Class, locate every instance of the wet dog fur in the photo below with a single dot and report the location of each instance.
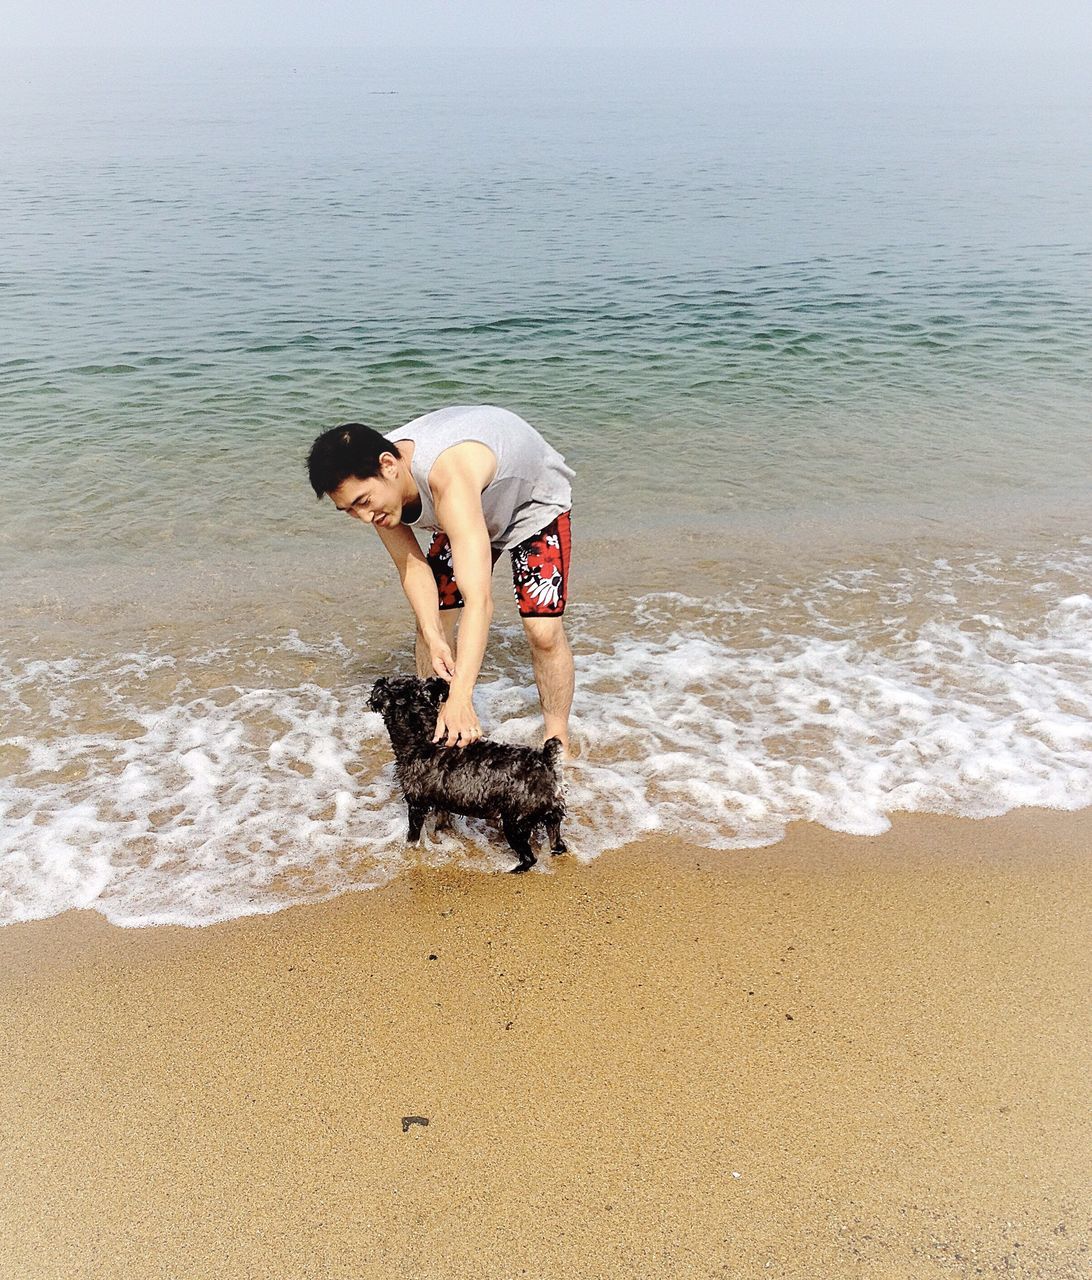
(521, 786)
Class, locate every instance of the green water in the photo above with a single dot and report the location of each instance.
(721, 287)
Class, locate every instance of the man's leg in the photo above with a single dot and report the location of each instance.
(540, 572)
(552, 662)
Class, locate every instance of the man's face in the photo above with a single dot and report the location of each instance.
(375, 501)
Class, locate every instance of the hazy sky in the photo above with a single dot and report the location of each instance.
(1065, 25)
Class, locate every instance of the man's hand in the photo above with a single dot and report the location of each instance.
(457, 723)
(443, 661)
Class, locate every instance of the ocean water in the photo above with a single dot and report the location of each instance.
(815, 336)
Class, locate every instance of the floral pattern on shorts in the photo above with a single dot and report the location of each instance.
(439, 558)
(540, 571)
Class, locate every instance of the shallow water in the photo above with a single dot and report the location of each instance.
(816, 339)
(185, 783)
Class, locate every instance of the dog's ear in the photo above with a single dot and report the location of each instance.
(380, 694)
(435, 690)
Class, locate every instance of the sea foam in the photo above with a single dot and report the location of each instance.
(193, 787)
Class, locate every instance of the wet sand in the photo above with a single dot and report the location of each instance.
(834, 1057)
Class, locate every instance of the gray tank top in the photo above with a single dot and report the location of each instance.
(532, 485)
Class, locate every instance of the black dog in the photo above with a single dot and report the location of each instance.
(483, 780)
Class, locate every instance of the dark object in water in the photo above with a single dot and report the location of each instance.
(521, 786)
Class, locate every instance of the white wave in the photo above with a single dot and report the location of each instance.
(152, 789)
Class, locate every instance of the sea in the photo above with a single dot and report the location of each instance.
(814, 331)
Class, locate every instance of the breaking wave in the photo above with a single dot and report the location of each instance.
(194, 787)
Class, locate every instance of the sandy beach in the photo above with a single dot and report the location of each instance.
(837, 1056)
(802, 301)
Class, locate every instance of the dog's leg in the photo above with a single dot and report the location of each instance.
(417, 815)
(519, 837)
(553, 830)
(442, 821)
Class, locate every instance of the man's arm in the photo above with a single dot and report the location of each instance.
(458, 510)
(420, 588)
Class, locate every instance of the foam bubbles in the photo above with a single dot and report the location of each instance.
(192, 787)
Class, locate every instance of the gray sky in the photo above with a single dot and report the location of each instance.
(1064, 25)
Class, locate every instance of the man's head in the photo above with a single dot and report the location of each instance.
(361, 470)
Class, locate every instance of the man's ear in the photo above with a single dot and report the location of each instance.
(436, 690)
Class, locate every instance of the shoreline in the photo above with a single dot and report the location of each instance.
(204, 589)
(885, 1038)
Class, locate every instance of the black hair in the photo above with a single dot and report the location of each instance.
(349, 450)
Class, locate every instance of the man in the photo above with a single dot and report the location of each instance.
(481, 481)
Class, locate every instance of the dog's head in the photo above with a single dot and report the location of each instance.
(380, 695)
(407, 700)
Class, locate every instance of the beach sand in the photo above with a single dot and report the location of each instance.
(835, 1057)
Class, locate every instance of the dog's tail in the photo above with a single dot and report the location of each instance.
(551, 753)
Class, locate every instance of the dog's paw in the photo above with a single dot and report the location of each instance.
(521, 867)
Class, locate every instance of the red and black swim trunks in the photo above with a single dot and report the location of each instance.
(540, 571)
